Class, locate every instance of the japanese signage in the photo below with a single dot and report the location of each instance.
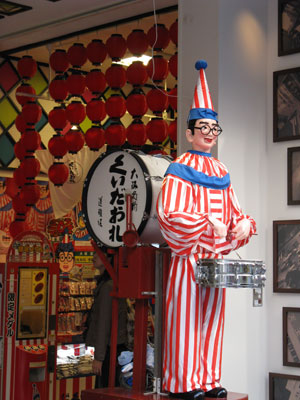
(117, 174)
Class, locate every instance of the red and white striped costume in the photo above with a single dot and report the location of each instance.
(194, 314)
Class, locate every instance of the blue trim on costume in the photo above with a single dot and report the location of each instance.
(200, 113)
(201, 153)
(7, 207)
(191, 175)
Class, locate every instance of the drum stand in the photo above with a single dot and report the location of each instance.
(160, 269)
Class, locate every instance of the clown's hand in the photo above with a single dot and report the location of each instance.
(242, 229)
(218, 227)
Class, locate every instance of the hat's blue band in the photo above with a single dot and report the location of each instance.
(200, 113)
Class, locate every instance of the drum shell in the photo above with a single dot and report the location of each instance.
(226, 273)
(123, 172)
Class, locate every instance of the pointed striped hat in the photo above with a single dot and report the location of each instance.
(202, 105)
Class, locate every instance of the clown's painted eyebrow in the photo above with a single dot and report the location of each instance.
(206, 123)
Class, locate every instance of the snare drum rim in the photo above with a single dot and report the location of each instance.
(86, 188)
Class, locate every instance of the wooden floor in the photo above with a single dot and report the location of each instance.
(124, 394)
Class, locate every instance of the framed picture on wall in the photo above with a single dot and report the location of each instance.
(291, 336)
(283, 387)
(288, 27)
(293, 175)
(286, 104)
(286, 256)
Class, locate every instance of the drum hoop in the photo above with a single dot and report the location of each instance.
(86, 186)
(148, 191)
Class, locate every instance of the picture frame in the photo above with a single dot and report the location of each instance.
(283, 387)
(286, 250)
(293, 175)
(291, 336)
(288, 27)
(286, 104)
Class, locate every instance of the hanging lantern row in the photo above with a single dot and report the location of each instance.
(28, 191)
(27, 67)
(158, 37)
(115, 76)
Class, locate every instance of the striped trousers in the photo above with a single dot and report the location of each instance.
(194, 329)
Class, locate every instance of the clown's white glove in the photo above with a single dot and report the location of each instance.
(242, 229)
(219, 228)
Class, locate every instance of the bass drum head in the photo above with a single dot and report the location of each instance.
(104, 196)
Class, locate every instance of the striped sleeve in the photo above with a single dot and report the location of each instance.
(181, 225)
(237, 216)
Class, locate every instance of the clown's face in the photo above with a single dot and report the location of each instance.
(200, 141)
(66, 261)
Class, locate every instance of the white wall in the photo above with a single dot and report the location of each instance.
(277, 196)
(238, 38)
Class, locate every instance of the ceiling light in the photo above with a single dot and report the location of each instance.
(129, 60)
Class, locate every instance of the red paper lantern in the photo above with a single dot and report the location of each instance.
(172, 96)
(77, 55)
(136, 133)
(96, 51)
(95, 110)
(136, 104)
(76, 83)
(30, 167)
(31, 140)
(19, 177)
(24, 88)
(173, 30)
(58, 88)
(115, 76)
(18, 204)
(157, 68)
(17, 227)
(137, 74)
(115, 106)
(19, 150)
(157, 130)
(157, 100)
(59, 61)
(75, 112)
(11, 187)
(158, 37)
(173, 65)
(94, 138)
(27, 67)
(74, 141)
(137, 42)
(115, 134)
(31, 193)
(20, 123)
(31, 113)
(116, 46)
(95, 81)
(57, 118)
(58, 173)
(57, 146)
(173, 131)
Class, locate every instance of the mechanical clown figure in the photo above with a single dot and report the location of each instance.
(200, 218)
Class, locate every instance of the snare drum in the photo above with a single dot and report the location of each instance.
(110, 178)
(227, 273)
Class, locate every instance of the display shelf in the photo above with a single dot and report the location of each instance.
(74, 376)
(70, 339)
(125, 394)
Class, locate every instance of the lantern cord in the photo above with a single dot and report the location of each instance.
(152, 52)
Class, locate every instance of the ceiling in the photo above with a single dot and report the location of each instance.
(55, 22)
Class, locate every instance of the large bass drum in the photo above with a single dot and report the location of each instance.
(110, 178)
